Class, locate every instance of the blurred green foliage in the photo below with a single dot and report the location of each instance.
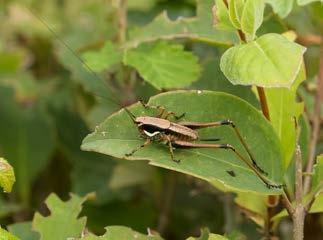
(49, 102)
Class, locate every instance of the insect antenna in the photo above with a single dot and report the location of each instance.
(84, 65)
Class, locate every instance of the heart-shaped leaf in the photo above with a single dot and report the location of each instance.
(263, 62)
(118, 136)
(164, 65)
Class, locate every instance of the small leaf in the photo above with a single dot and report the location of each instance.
(317, 207)
(263, 62)
(198, 28)
(252, 17)
(317, 181)
(117, 136)
(63, 216)
(283, 108)
(255, 204)
(221, 16)
(7, 175)
(103, 59)
(281, 7)
(4, 235)
(120, 232)
(206, 235)
(235, 12)
(164, 65)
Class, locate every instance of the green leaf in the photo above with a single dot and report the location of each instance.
(263, 62)
(235, 12)
(164, 65)
(283, 108)
(26, 140)
(317, 181)
(23, 230)
(7, 175)
(117, 136)
(304, 2)
(121, 232)
(281, 7)
(206, 235)
(222, 18)
(4, 235)
(63, 216)
(101, 60)
(252, 17)
(198, 28)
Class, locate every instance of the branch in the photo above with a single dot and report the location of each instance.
(316, 126)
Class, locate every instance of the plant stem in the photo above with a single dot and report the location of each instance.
(263, 102)
(316, 125)
(122, 21)
(167, 203)
(299, 212)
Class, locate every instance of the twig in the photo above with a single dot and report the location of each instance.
(287, 204)
(316, 125)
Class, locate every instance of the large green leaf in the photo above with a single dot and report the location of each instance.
(103, 59)
(117, 136)
(7, 175)
(198, 28)
(63, 223)
(283, 108)
(263, 62)
(26, 140)
(120, 232)
(281, 7)
(164, 65)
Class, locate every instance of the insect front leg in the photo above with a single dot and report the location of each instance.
(197, 125)
(171, 150)
(146, 143)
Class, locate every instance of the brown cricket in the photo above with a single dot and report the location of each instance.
(184, 135)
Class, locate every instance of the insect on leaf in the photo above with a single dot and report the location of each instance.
(118, 135)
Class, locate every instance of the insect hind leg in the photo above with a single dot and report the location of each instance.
(199, 125)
